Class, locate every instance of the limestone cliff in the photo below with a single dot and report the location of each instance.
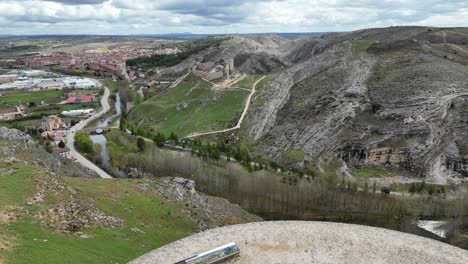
(388, 97)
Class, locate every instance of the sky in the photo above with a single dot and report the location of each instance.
(121, 17)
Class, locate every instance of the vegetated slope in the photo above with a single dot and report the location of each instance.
(194, 105)
(387, 97)
(190, 107)
(45, 216)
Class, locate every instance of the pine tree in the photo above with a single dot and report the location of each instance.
(174, 137)
(141, 144)
(159, 139)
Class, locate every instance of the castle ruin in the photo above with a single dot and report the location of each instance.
(212, 71)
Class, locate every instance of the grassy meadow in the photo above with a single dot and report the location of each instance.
(206, 109)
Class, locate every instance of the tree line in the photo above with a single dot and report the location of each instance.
(167, 60)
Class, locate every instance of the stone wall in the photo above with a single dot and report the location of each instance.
(209, 75)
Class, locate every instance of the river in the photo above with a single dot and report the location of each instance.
(106, 163)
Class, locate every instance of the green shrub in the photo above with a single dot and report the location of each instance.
(84, 143)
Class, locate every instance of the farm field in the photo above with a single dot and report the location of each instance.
(206, 110)
(49, 97)
(12, 98)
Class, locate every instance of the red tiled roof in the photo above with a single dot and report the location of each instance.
(63, 150)
(8, 110)
(86, 98)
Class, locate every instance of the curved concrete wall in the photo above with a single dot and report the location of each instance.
(311, 242)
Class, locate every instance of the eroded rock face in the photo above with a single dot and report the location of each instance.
(399, 93)
(458, 165)
(385, 156)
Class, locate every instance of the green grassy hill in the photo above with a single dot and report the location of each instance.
(29, 235)
(206, 109)
(46, 217)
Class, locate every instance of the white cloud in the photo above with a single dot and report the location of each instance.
(221, 16)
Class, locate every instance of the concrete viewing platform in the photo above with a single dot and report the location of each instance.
(311, 242)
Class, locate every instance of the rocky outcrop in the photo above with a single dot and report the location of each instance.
(251, 54)
(19, 147)
(303, 109)
(207, 211)
(360, 155)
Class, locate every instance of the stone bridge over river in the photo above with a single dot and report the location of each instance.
(311, 242)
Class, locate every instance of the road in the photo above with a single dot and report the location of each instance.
(241, 119)
(74, 154)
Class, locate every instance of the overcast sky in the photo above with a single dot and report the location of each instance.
(222, 16)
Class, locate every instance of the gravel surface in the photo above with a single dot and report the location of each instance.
(311, 242)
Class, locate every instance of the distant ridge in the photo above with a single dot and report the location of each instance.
(172, 36)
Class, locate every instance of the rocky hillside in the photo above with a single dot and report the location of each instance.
(394, 97)
(19, 147)
(251, 55)
(45, 215)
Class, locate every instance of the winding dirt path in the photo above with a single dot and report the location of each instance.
(241, 119)
(180, 79)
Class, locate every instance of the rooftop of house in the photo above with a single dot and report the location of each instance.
(62, 150)
(77, 98)
(9, 110)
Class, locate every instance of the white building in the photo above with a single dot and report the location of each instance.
(27, 80)
(51, 84)
(79, 112)
(33, 73)
(27, 84)
(80, 83)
